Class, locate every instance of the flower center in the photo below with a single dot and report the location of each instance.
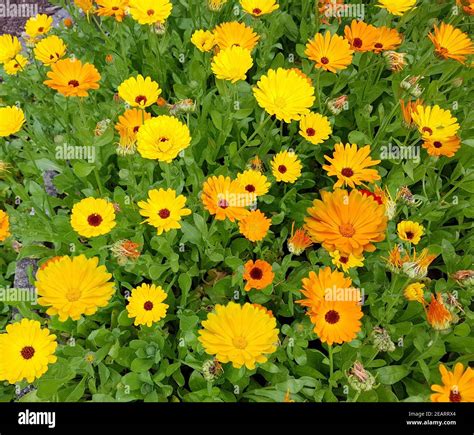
(163, 139)
(409, 235)
(454, 395)
(40, 29)
(141, 99)
(27, 352)
(347, 172)
(256, 273)
(250, 188)
(164, 213)
(324, 60)
(73, 295)
(437, 144)
(310, 131)
(257, 11)
(148, 305)
(240, 342)
(223, 203)
(136, 128)
(427, 130)
(94, 220)
(115, 8)
(150, 12)
(73, 83)
(346, 230)
(332, 317)
(282, 169)
(357, 42)
(344, 260)
(378, 45)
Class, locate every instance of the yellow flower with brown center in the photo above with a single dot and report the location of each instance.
(254, 226)
(254, 182)
(234, 33)
(128, 125)
(435, 123)
(38, 26)
(164, 209)
(257, 8)
(49, 50)
(27, 351)
(112, 8)
(437, 314)
(72, 79)
(203, 40)
(397, 7)
(4, 225)
(315, 128)
(146, 305)
(350, 165)
(349, 222)
(410, 231)
(298, 241)
(93, 217)
(162, 138)
(386, 39)
(346, 261)
(9, 47)
(150, 11)
(361, 36)
(139, 92)
(451, 43)
(13, 66)
(74, 286)
(240, 334)
(458, 385)
(258, 275)
(442, 147)
(225, 198)
(329, 52)
(415, 292)
(286, 167)
(12, 119)
(232, 64)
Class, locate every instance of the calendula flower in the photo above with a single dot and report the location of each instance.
(12, 119)
(258, 275)
(9, 47)
(254, 182)
(68, 22)
(139, 92)
(360, 379)
(315, 128)
(447, 147)
(298, 241)
(13, 66)
(128, 126)
(348, 222)
(397, 7)
(330, 52)
(257, 8)
(467, 6)
(458, 385)
(150, 11)
(225, 198)
(93, 217)
(254, 226)
(435, 123)
(361, 36)
(386, 39)
(415, 292)
(125, 250)
(38, 26)
(235, 33)
(145, 304)
(232, 64)
(72, 79)
(451, 43)
(346, 261)
(437, 314)
(408, 109)
(337, 105)
(285, 94)
(416, 267)
(350, 165)
(240, 334)
(49, 50)
(112, 8)
(4, 225)
(410, 231)
(162, 138)
(50, 261)
(164, 209)
(87, 6)
(27, 351)
(286, 167)
(395, 61)
(73, 286)
(204, 40)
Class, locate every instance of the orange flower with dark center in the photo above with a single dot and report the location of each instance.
(258, 275)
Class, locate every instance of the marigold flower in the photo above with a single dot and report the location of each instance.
(145, 304)
(415, 292)
(386, 39)
(112, 8)
(457, 385)
(447, 147)
(49, 50)
(12, 119)
(204, 40)
(397, 7)
(346, 261)
(93, 217)
(254, 182)
(17, 64)
(315, 128)
(128, 126)
(150, 11)
(361, 36)
(4, 225)
(286, 167)
(257, 8)
(9, 47)
(298, 241)
(232, 64)
(437, 315)
(435, 123)
(254, 226)
(258, 275)
(235, 33)
(451, 43)
(410, 231)
(38, 26)
(395, 61)
(330, 52)
(139, 91)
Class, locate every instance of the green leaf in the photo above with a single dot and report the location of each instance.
(392, 374)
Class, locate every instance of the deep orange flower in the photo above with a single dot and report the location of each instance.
(361, 36)
(254, 226)
(437, 314)
(258, 275)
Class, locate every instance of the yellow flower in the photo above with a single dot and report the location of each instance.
(435, 123)
(397, 7)
(12, 119)
(164, 209)
(4, 225)
(27, 350)
(258, 8)
(242, 335)
(139, 92)
(73, 79)
(410, 231)
(415, 292)
(361, 36)
(146, 305)
(235, 33)
(9, 47)
(112, 8)
(162, 138)
(38, 25)
(346, 261)
(442, 147)
(286, 167)
(254, 182)
(330, 52)
(49, 50)
(437, 314)
(13, 66)
(350, 165)
(73, 286)
(232, 64)
(87, 6)
(128, 127)
(285, 94)
(150, 11)
(451, 43)
(204, 40)
(93, 217)
(458, 385)
(315, 128)
(254, 226)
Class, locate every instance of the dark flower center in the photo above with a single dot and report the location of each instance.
(141, 99)
(150, 12)
(427, 130)
(347, 172)
(148, 305)
(73, 83)
(357, 42)
(332, 317)
(282, 169)
(324, 60)
(454, 396)
(40, 29)
(94, 219)
(409, 235)
(344, 260)
(310, 131)
(223, 203)
(257, 11)
(256, 273)
(164, 139)
(115, 8)
(28, 352)
(437, 144)
(136, 128)
(164, 213)
(250, 188)
(378, 45)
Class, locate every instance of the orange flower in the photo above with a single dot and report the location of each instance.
(254, 226)
(298, 241)
(50, 261)
(457, 385)
(437, 314)
(451, 43)
(361, 36)
(258, 275)
(442, 147)
(386, 39)
(408, 109)
(67, 22)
